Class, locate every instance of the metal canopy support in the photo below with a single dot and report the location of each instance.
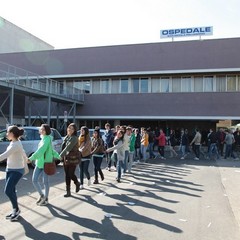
(11, 105)
(49, 111)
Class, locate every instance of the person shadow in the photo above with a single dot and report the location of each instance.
(33, 233)
(104, 230)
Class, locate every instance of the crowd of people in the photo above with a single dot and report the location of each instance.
(122, 147)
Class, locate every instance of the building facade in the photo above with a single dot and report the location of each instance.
(172, 84)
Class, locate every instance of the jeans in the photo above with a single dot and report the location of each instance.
(131, 157)
(12, 178)
(125, 161)
(84, 170)
(197, 150)
(183, 150)
(120, 165)
(144, 152)
(229, 152)
(97, 161)
(161, 150)
(212, 150)
(150, 148)
(109, 160)
(37, 173)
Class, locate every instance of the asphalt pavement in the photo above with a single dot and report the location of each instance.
(161, 199)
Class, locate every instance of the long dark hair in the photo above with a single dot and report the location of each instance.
(47, 128)
(74, 127)
(86, 135)
(16, 131)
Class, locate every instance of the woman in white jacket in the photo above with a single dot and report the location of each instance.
(119, 147)
(15, 156)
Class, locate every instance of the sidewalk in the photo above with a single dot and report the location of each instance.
(230, 173)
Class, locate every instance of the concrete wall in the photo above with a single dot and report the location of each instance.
(162, 106)
(15, 39)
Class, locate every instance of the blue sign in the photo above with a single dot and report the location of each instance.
(183, 32)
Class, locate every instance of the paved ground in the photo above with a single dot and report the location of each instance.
(162, 199)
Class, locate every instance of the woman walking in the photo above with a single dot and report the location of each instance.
(71, 158)
(119, 147)
(16, 156)
(85, 149)
(44, 153)
(98, 151)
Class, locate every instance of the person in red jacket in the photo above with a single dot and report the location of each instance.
(161, 143)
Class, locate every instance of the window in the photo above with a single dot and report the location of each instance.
(144, 85)
(186, 84)
(231, 83)
(176, 84)
(135, 85)
(198, 84)
(86, 86)
(155, 85)
(105, 86)
(165, 85)
(96, 86)
(115, 85)
(238, 83)
(124, 85)
(221, 83)
(208, 83)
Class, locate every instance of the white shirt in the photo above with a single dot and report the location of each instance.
(15, 155)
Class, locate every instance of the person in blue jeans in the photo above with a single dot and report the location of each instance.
(15, 156)
(85, 146)
(98, 151)
(118, 145)
(45, 153)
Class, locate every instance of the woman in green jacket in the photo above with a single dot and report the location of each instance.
(44, 153)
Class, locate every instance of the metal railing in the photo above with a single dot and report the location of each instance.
(13, 75)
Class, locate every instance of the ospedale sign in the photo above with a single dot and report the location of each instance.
(184, 32)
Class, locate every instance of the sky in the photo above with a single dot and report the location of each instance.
(87, 23)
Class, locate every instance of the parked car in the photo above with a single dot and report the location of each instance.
(102, 132)
(30, 140)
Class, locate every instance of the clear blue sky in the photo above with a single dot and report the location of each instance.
(83, 23)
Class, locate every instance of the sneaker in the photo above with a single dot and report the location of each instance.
(44, 202)
(118, 180)
(196, 158)
(15, 215)
(182, 158)
(89, 182)
(39, 199)
(9, 216)
(81, 186)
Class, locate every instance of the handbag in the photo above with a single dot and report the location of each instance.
(26, 169)
(73, 157)
(50, 168)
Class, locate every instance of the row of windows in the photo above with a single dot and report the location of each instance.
(223, 83)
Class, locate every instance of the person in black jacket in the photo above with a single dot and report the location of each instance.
(183, 143)
(71, 158)
(109, 137)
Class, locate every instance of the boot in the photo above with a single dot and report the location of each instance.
(96, 178)
(77, 187)
(101, 174)
(68, 194)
